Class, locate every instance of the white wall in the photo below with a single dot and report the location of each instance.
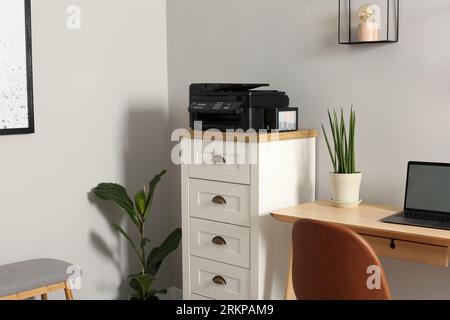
(401, 91)
(101, 115)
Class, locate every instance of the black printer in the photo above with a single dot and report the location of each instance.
(226, 106)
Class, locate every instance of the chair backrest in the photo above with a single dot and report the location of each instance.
(331, 262)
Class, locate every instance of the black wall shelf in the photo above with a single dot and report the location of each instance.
(348, 22)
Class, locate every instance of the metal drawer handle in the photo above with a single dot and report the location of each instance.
(219, 241)
(392, 244)
(218, 159)
(219, 280)
(219, 200)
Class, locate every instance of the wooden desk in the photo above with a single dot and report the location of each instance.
(423, 245)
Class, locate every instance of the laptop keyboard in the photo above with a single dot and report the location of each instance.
(426, 216)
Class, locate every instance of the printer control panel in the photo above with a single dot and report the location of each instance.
(215, 107)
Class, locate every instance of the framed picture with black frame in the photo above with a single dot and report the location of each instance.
(16, 69)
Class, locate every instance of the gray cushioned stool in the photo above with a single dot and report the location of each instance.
(32, 278)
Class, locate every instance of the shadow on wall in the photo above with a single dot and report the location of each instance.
(112, 214)
(145, 155)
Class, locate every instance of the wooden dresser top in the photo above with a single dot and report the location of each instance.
(259, 137)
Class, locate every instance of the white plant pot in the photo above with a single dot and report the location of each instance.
(345, 189)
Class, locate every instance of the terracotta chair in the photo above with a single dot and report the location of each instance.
(331, 262)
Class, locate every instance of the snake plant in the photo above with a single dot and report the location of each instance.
(138, 213)
(342, 152)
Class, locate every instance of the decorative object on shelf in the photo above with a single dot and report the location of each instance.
(345, 180)
(138, 212)
(369, 23)
(361, 23)
(16, 80)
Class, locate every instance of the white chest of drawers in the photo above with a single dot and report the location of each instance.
(232, 248)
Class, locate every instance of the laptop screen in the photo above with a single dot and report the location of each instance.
(428, 187)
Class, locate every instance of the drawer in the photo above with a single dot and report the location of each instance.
(221, 242)
(218, 280)
(411, 251)
(219, 201)
(220, 161)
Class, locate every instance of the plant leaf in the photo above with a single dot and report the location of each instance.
(158, 254)
(118, 194)
(162, 291)
(333, 132)
(338, 142)
(333, 160)
(151, 191)
(343, 158)
(140, 202)
(153, 264)
(144, 242)
(345, 143)
(153, 294)
(142, 285)
(351, 146)
(353, 141)
(126, 236)
(350, 143)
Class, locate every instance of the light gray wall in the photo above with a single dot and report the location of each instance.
(401, 91)
(101, 115)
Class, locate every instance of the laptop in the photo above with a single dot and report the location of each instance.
(427, 196)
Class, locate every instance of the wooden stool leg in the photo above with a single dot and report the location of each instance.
(44, 296)
(289, 293)
(68, 292)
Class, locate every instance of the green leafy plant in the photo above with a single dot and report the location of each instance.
(138, 213)
(342, 152)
